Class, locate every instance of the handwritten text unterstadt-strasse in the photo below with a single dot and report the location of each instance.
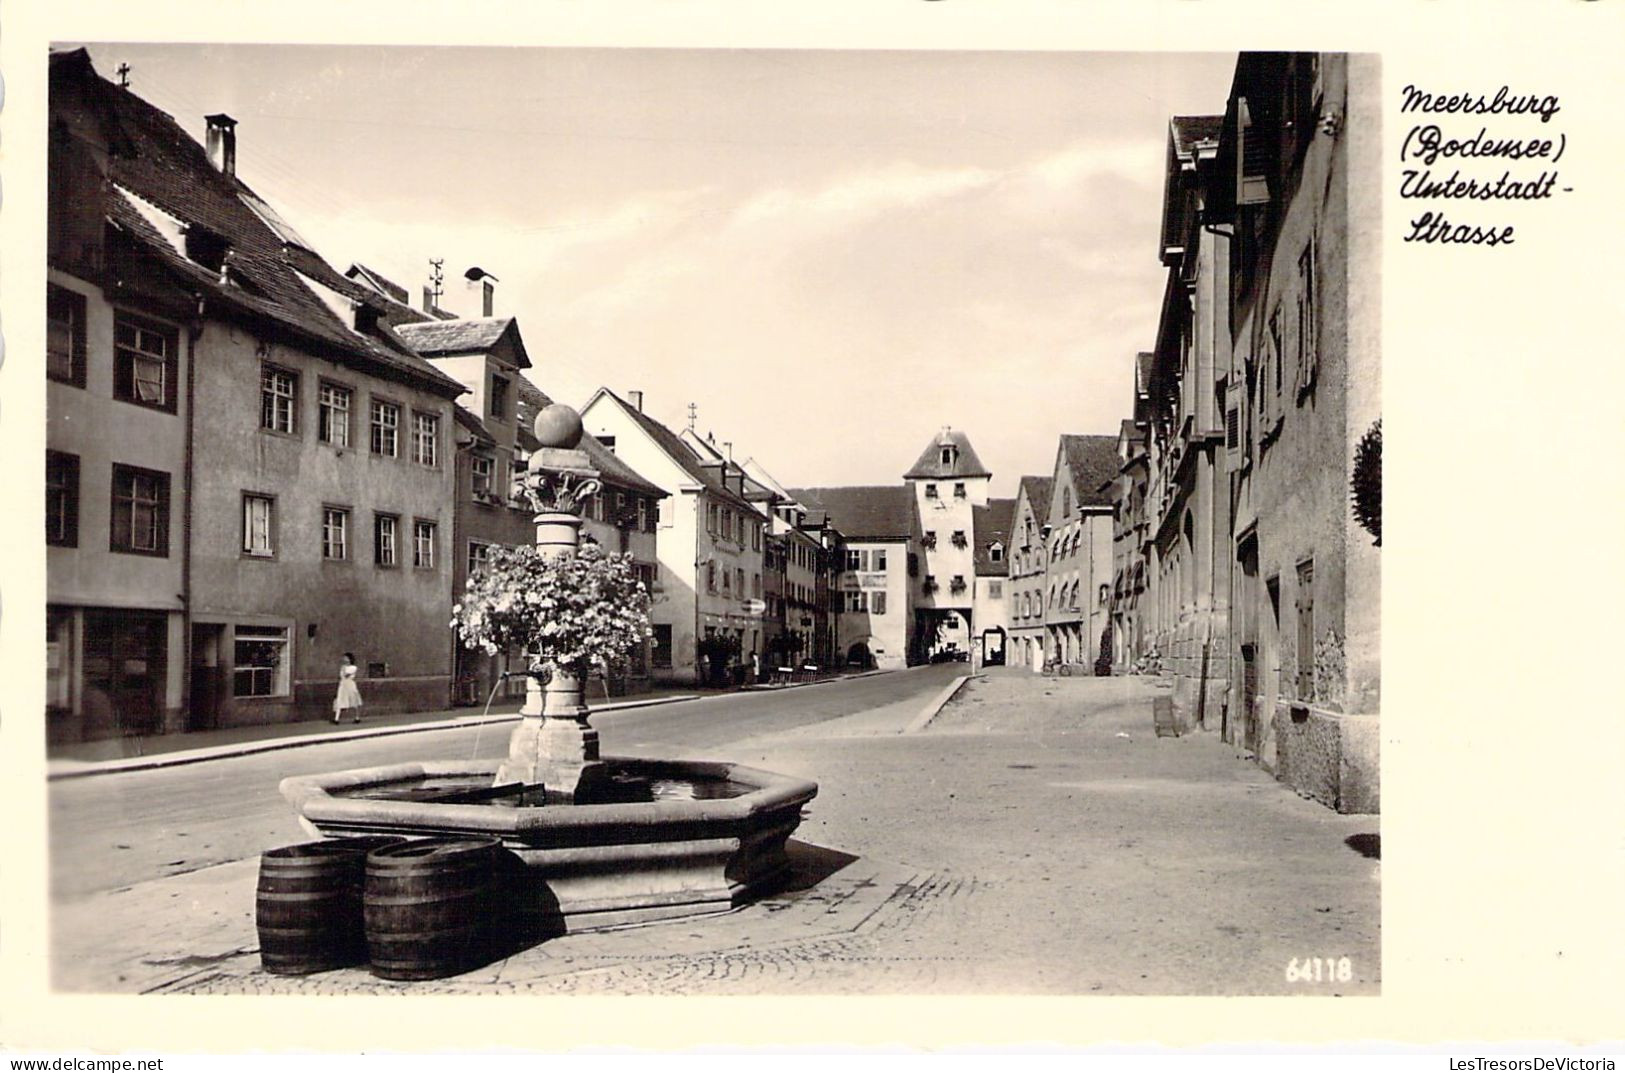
(1485, 149)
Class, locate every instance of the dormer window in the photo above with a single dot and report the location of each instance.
(995, 553)
(947, 455)
(206, 248)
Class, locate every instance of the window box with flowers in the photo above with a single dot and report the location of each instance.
(930, 585)
(957, 585)
(959, 538)
(929, 540)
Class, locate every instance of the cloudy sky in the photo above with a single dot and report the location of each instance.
(832, 253)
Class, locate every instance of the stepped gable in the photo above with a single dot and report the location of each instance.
(863, 512)
(965, 464)
(991, 524)
(1094, 464)
(162, 193)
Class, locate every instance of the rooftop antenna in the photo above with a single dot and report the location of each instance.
(693, 414)
(123, 72)
(437, 277)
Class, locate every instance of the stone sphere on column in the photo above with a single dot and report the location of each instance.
(558, 426)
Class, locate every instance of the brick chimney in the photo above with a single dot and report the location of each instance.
(221, 143)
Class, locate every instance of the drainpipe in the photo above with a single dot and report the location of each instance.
(194, 331)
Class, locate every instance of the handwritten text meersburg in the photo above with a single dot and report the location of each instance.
(1428, 145)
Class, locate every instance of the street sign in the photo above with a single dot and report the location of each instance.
(755, 607)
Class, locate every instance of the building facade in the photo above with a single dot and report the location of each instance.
(707, 610)
(1077, 535)
(275, 461)
(1029, 559)
(991, 608)
(875, 582)
(1301, 136)
(1189, 509)
(947, 482)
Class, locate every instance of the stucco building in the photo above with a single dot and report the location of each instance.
(991, 607)
(1028, 559)
(1188, 510)
(948, 481)
(709, 544)
(276, 459)
(1077, 539)
(1301, 137)
(875, 579)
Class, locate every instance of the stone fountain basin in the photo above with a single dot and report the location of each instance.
(592, 865)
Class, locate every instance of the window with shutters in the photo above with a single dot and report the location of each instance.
(1306, 630)
(1308, 329)
(1252, 158)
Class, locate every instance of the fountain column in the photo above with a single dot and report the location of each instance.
(554, 745)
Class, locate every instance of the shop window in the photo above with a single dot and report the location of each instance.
(260, 661)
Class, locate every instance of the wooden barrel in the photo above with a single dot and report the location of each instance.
(428, 906)
(308, 905)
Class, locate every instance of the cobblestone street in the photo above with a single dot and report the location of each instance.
(1036, 837)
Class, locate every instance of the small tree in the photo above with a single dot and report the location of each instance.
(567, 611)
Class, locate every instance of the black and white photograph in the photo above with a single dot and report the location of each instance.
(717, 521)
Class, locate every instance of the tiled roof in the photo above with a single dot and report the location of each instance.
(865, 512)
(466, 418)
(163, 167)
(991, 524)
(1188, 130)
(680, 453)
(470, 335)
(1094, 463)
(379, 282)
(1038, 490)
(965, 464)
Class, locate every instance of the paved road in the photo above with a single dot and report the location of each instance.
(111, 831)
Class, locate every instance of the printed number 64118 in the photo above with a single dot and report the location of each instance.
(1319, 970)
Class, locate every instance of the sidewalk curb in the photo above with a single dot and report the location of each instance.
(760, 687)
(939, 702)
(62, 770)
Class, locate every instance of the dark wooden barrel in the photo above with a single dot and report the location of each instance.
(428, 906)
(308, 905)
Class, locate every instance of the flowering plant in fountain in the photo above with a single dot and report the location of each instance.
(569, 611)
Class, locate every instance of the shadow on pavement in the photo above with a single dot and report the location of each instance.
(1365, 845)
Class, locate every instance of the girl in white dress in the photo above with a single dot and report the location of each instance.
(349, 697)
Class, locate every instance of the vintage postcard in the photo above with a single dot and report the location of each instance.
(858, 528)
